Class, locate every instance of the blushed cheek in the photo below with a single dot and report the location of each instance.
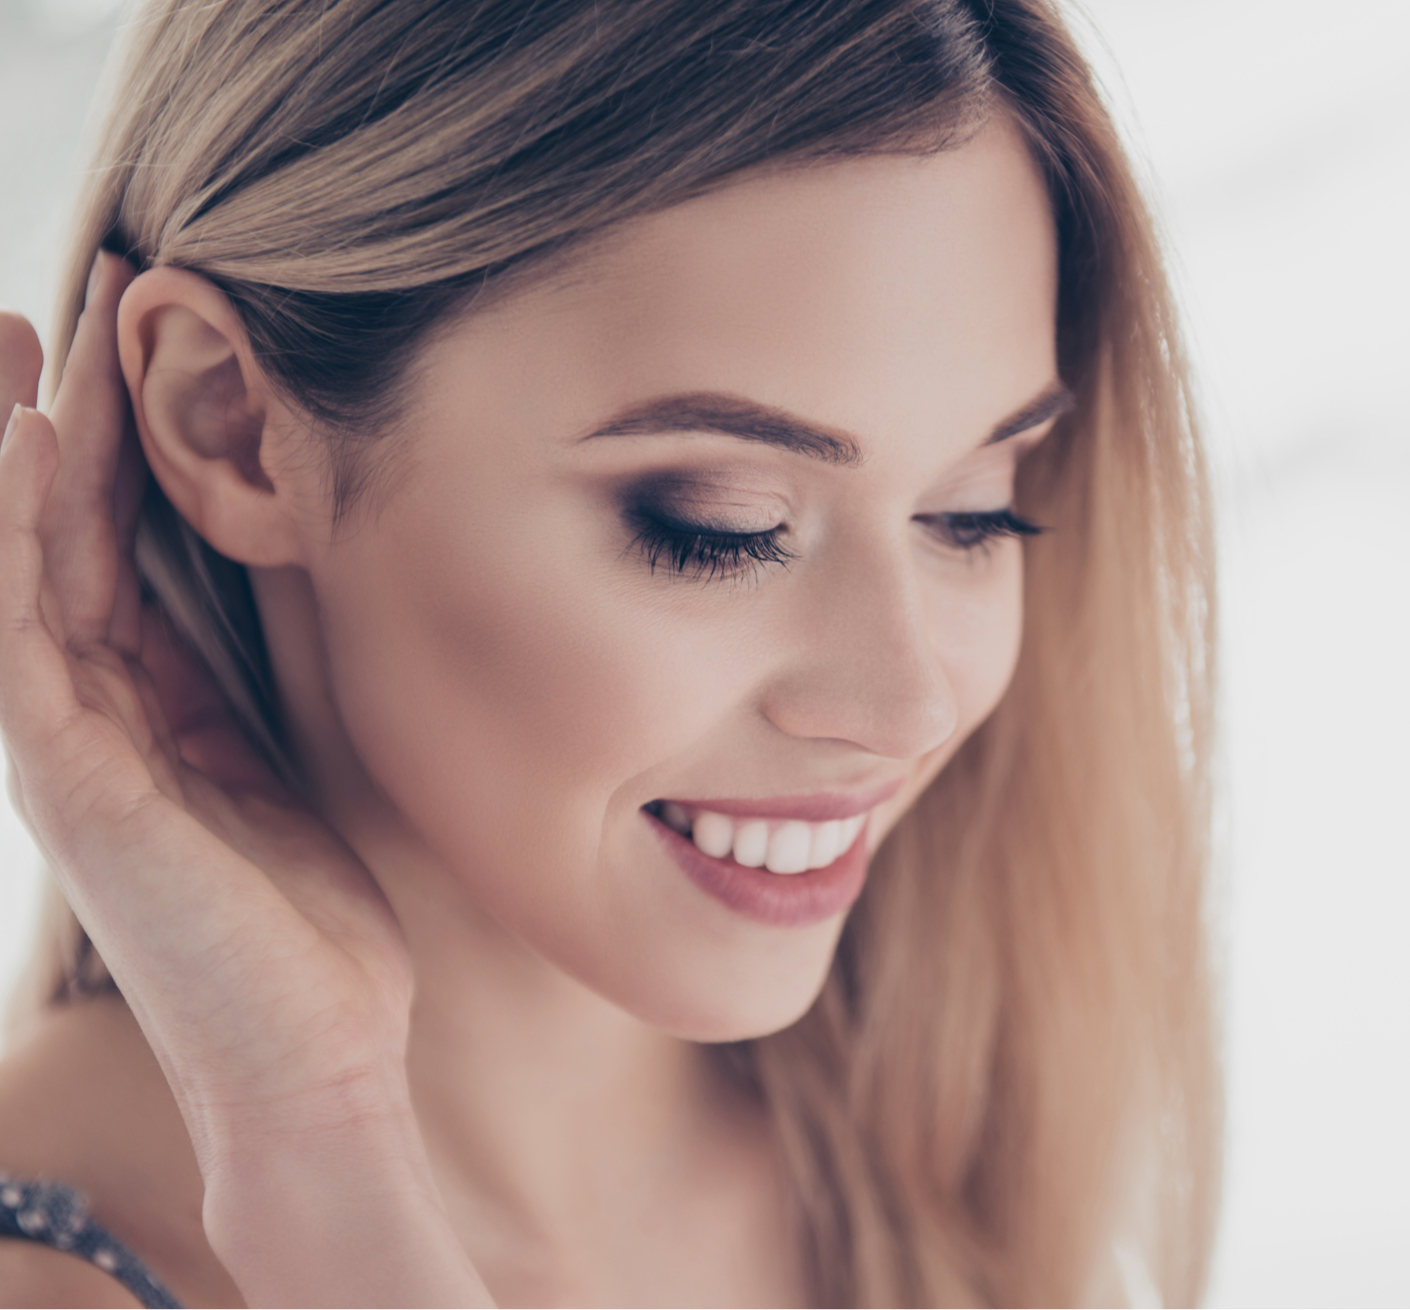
(501, 707)
(979, 635)
(977, 632)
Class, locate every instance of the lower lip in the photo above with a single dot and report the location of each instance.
(783, 899)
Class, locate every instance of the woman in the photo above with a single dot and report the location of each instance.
(529, 651)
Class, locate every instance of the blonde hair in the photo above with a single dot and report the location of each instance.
(1012, 1056)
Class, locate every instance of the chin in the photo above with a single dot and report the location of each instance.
(736, 1027)
(740, 1000)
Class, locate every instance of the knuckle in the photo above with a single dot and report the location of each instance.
(21, 623)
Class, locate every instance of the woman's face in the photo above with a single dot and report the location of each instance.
(674, 533)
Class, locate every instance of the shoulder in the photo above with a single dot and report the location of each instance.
(35, 1275)
(83, 1102)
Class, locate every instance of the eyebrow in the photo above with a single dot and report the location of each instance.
(1054, 399)
(733, 416)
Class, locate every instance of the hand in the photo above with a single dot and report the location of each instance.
(261, 959)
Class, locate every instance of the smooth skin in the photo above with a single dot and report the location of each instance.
(442, 1025)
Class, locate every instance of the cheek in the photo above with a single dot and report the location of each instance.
(492, 686)
(508, 711)
(977, 631)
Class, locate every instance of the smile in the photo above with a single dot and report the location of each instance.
(790, 861)
(779, 845)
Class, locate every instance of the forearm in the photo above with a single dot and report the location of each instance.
(346, 1216)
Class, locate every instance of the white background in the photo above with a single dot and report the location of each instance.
(1274, 136)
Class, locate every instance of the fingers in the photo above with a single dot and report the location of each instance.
(125, 623)
(35, 688)
(80, 731)
(21, 361)
(93, 395)
(90, 416)
(203, 729)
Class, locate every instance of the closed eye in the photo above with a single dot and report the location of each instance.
(699, 551)
(972, 530)
(702, 552)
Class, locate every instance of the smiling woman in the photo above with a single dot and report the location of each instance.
(608, 640)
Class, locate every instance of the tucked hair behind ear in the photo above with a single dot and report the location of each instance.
(1009, 1076)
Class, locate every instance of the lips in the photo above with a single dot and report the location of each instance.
(814, 808)
(784, 861)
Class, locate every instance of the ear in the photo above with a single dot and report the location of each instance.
(216, 435)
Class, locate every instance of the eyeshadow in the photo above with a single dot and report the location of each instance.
(701, 499)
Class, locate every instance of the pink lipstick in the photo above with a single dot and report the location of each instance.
(788, 860)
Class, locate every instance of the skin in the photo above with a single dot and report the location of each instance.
(486, 682)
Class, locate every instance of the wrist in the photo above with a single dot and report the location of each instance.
(336, 1214)
(240, 1130)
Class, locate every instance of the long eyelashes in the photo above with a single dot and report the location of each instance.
(973, 530)
(701, 552)
(696, 551)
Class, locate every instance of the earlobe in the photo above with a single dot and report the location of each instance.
(209, 422)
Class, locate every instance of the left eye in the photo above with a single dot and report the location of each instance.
(969, 531)
(698, 551)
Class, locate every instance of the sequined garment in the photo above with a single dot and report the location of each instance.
(56, 1215)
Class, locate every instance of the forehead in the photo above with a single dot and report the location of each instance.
(869, 293)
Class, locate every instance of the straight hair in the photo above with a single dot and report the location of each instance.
(1007, 1089)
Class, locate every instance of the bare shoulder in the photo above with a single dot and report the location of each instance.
(34, 1275)
(83, 1102)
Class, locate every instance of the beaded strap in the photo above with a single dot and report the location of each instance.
(56, 1215)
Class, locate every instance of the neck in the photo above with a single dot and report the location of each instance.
(534, 1089)
(559, 1125)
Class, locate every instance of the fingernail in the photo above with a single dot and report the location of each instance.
(95, 275)
(11, 425)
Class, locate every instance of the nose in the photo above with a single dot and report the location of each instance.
(863, 666)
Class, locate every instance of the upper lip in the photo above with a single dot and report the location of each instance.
(817, 807)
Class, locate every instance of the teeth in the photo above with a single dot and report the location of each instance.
(751, 843)
(713, 834)
(826, 845)
(787, 846)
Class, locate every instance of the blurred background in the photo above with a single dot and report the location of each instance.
(1274, 140)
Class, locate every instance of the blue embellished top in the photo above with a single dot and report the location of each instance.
(56, 1215)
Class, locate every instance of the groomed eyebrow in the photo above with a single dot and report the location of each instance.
(733, 416)
(1054, 399)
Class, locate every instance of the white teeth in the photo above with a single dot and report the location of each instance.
(751, 843)
(713, 833)
(826, 845)
(788, 848)
(782, 846)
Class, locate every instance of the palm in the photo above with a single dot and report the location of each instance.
(257, 952)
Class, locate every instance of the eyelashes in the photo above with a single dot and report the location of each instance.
(973, 530)
(698, 551)
(701, 552)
